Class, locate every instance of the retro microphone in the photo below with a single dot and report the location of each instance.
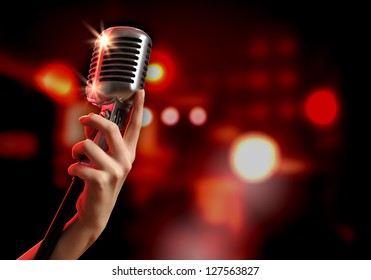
(118, 69)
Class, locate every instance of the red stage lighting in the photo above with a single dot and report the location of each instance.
(21, 145)
(160, 71)
(321, 107)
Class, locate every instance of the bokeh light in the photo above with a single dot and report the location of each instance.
(155, 73)
(58, 81)
(254, 156)
(21, 145)
(161, 71)
(202, 182)
(170, 116)
(147, 117)
(321, 107)
(197, 116)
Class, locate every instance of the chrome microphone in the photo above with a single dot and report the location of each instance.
(119, 64)
(118, 69)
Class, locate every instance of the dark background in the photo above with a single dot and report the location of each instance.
(327, 213)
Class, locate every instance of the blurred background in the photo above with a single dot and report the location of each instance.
(253, 143)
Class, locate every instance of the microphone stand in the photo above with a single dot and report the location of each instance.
(115, 111)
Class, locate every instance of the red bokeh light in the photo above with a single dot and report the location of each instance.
(259, 47)
(20, 145)
(258, 79)
(321, 107)
(286, 46)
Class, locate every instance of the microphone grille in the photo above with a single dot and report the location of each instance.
(119, 64)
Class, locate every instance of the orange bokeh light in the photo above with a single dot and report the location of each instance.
(58, 81)
(220, 201)
(21, 145)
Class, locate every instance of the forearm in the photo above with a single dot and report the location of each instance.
(73, 242)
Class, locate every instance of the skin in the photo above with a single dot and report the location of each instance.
(104, 179)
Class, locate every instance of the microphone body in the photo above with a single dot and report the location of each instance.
(118, 69)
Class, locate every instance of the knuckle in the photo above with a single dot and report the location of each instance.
(117, 175)
(86, 144)
(127, 165)
(100, 181)
(112, 128)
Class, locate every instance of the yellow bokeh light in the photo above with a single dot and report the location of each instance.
(155, 72)
(55, 82)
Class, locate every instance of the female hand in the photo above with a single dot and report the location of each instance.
(105, 176)
(103, 181)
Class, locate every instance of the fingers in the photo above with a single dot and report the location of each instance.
(120, 147)
(110, 130)
(133, 130)
(93, 152)
(82, 171)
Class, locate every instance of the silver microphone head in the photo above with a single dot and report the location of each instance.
(119, 64)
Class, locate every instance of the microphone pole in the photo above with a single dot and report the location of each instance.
(63, 214)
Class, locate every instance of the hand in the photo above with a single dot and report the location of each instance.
(103, 181)
(108, 171)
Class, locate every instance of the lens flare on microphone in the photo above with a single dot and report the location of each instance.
(94, 32)
(103, 41)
